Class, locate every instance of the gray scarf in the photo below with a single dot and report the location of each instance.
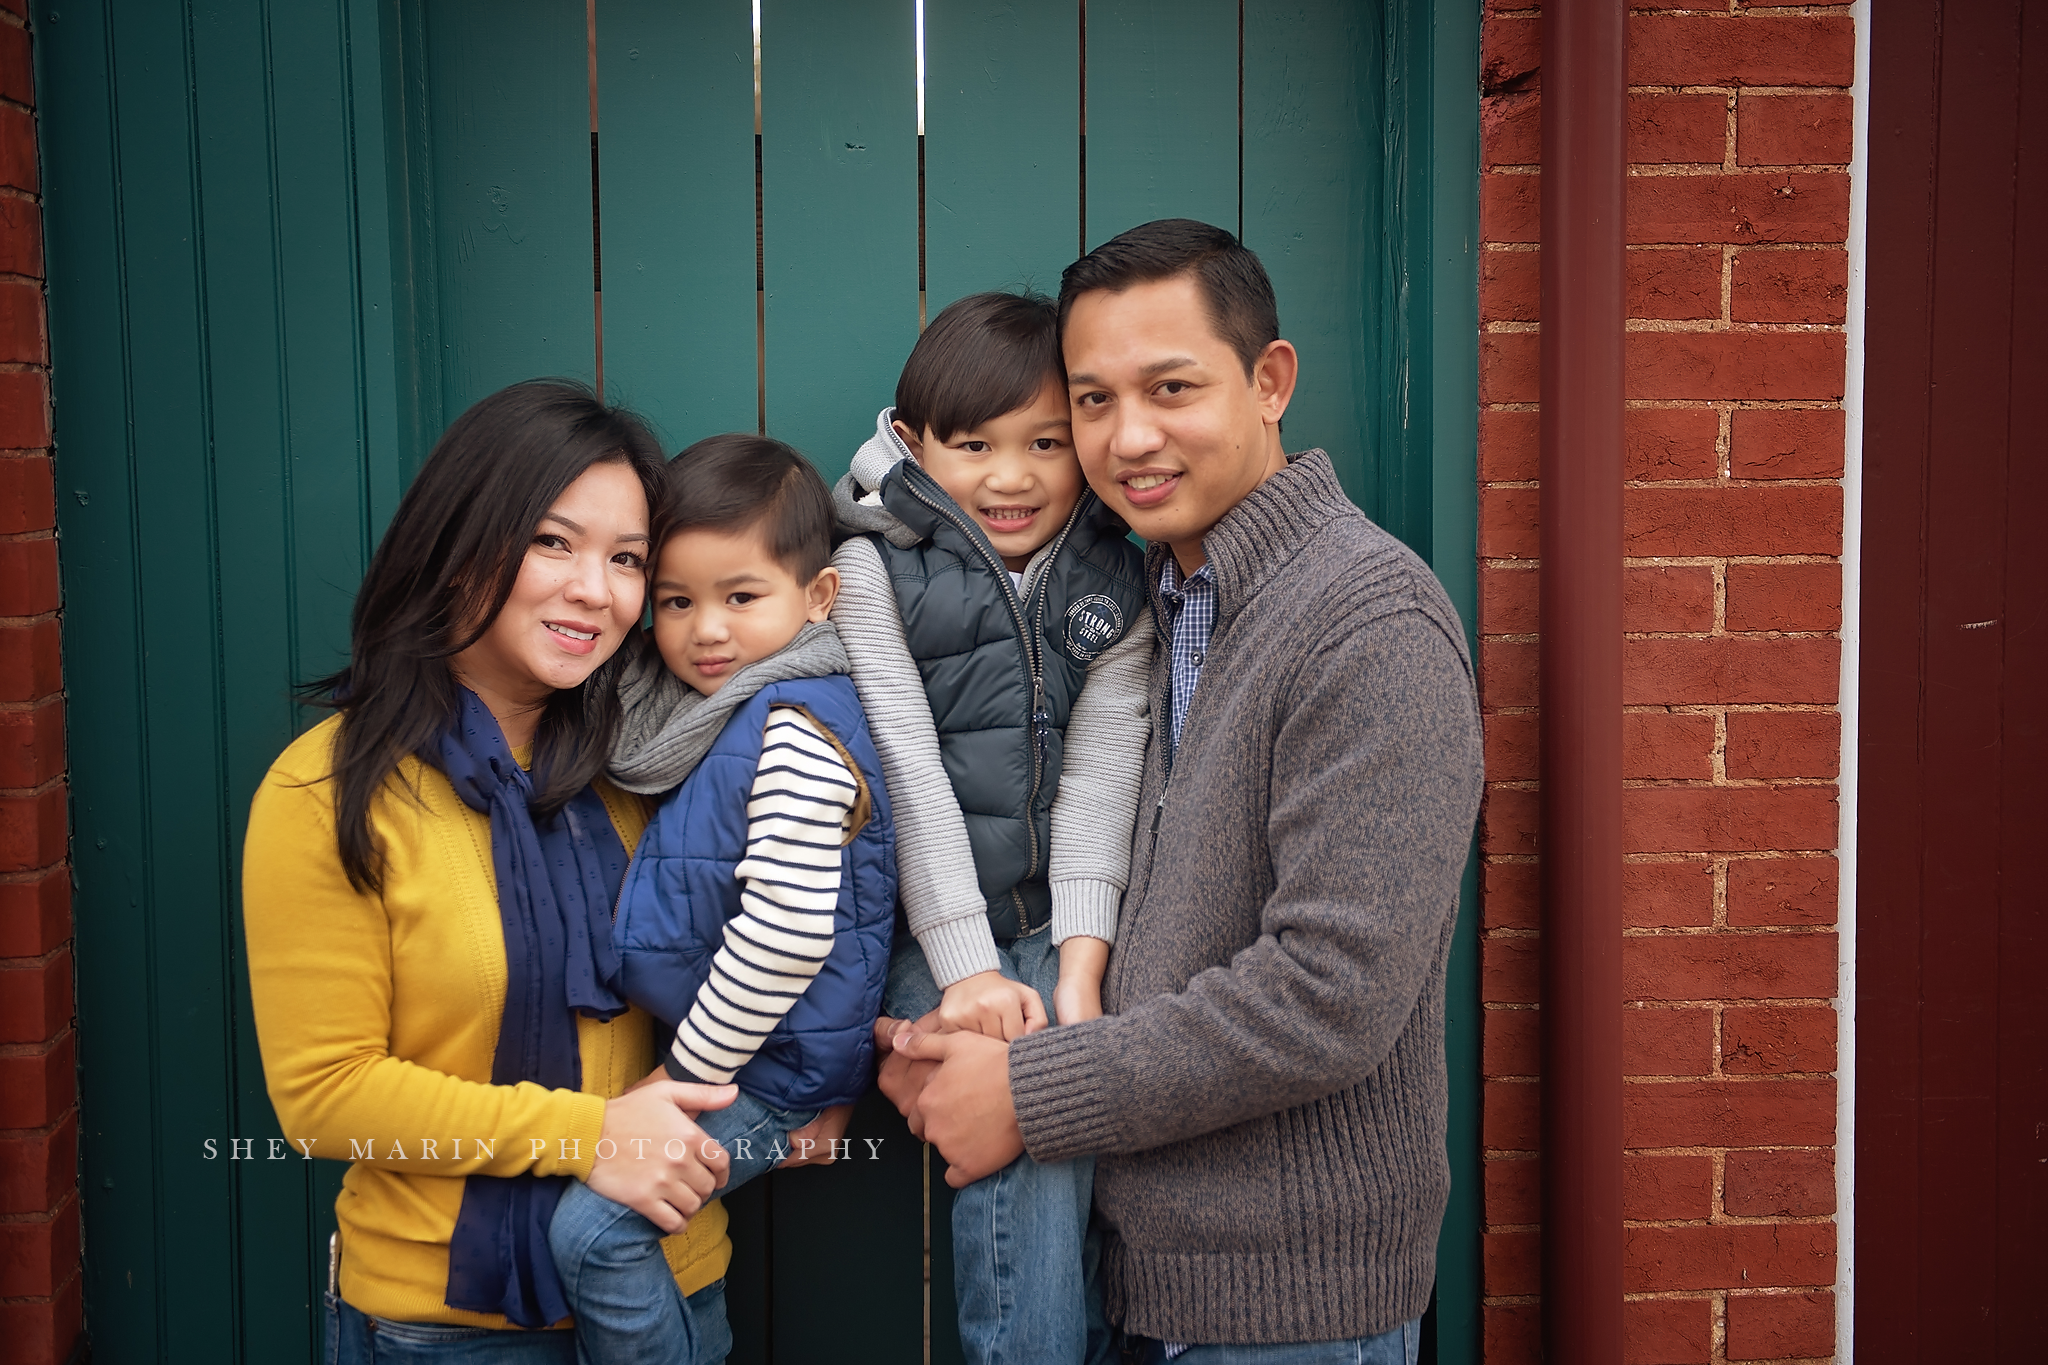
(669, 726)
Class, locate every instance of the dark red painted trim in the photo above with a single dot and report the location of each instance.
(1584, 169)
(1952, 917)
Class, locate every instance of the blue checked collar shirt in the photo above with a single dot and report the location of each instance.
(1190, 617)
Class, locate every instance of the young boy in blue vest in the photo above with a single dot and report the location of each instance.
(758, 909)
(995, 615)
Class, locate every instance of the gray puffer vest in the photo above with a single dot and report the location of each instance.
(1002, 671)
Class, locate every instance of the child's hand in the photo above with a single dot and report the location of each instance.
(1078, 995)
(811, 1145)
(991, 1004)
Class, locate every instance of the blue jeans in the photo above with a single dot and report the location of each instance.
(1395, 1347)
(628, 1310)
(356, 1338)
(1023, 1263)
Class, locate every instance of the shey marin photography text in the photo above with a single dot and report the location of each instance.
(486, 1149)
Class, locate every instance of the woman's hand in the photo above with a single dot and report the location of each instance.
(992, 1005)
(1078, 995)
(820, 1132)
(661, 1166)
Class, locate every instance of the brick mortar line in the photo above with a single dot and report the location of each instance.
(25, 964)
(45, 1216)
(23, 878)
(1532, 248)
(1686, 170)
(41, 1049)
(1716, 483)
(1701, 326)
(1719, 933)
(1535, 637)
(1692, 709)
(1691, 405)
(1744, 855)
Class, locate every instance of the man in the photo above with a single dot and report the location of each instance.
(1266, 1095)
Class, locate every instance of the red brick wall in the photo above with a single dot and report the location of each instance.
(1738, 204)
(39, 1229)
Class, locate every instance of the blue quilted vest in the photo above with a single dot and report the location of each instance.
(681, 889)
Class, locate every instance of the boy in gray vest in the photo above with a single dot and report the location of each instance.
(994, 613)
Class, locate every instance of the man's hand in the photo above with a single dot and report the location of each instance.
(820, 1133)
(662, 1165)
(901, 1079)
(965, 1105)
(991, 1004)
(1078, 995)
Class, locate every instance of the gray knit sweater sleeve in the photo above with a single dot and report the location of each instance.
(1374, 777)
(934, 861)
(1097, 806)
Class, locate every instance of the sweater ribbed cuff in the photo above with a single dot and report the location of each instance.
(575, 1148)
(958, 948)
(1065, 1104)
(1085, 905)
(678, 1072)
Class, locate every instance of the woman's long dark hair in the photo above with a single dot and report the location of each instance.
(439, 578)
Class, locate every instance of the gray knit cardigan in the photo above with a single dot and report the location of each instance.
(1267, 1094)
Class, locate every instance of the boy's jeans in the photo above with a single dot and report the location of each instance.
(1022, 1261)
(628, 1309)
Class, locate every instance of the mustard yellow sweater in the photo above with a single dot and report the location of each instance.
(378, 1018)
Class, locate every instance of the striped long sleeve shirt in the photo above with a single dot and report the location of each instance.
(798, 811)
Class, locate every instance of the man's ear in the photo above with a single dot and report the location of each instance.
(911, 439)
(823, 592)
(1273, 375)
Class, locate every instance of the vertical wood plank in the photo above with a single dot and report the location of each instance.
(2021, 1315)
(945, 1294)
(1949, 944)
(848, 1250)
(97, 512)
(1312, 171)
(676, 128)
(1162, 114)
(1002, 182)
(509, 105)
(240, 247)
(176, 999)
(839, 216)
(1441, 113)
(1970, 402)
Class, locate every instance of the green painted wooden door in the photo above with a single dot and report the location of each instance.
(289, 241)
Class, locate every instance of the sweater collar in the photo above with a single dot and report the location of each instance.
(1264, 531)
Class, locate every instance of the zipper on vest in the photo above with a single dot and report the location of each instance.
(1041, 719)
(1027, 634)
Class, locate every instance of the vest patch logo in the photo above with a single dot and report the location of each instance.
(1093, 624)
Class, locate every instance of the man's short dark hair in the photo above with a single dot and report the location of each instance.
(982, 356)
(739, 481)
(1233, 283)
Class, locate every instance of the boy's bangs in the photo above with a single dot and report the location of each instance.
(982, 356)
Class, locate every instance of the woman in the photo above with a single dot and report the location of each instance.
(429, 923)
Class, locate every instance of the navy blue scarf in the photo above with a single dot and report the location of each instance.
(557, 885)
